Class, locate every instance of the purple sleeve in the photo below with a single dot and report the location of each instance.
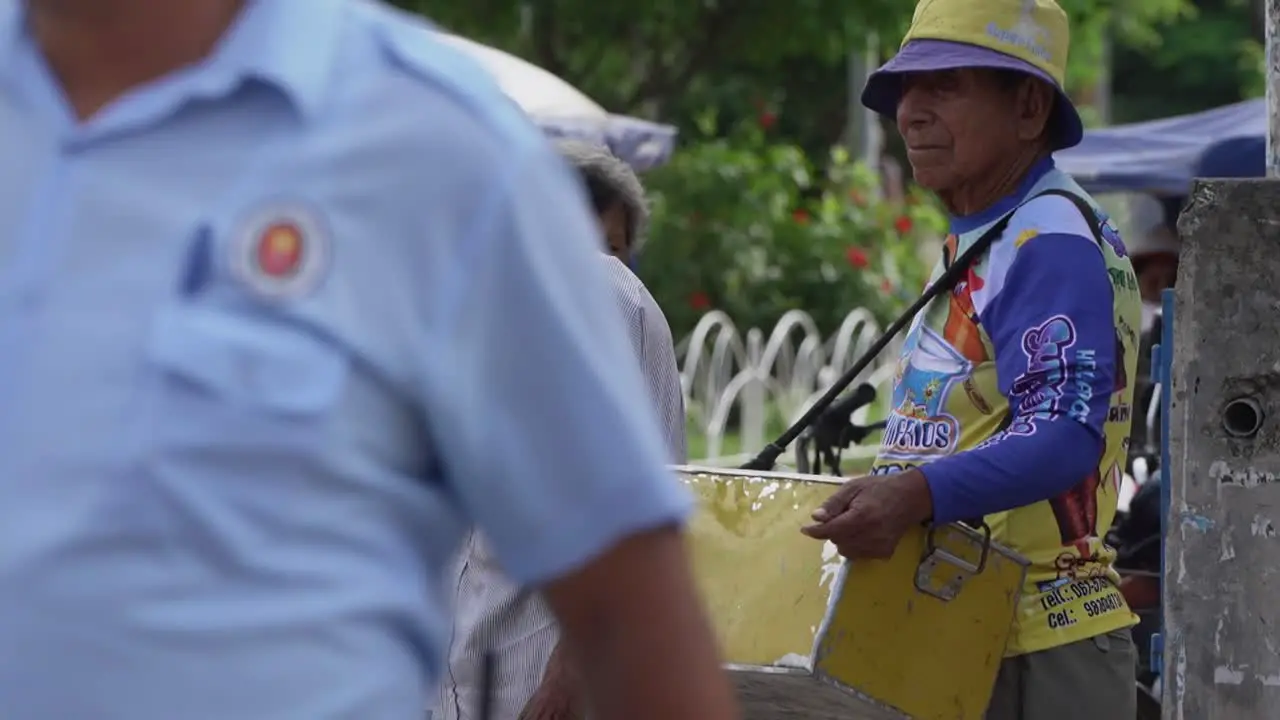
(1053, 329)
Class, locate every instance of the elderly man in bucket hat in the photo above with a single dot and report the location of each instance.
(1011, 400)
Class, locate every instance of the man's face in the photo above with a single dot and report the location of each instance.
(959, 124)
(616, 227)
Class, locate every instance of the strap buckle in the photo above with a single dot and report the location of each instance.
(942, 573)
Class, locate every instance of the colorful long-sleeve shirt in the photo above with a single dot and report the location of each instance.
(1014, 393)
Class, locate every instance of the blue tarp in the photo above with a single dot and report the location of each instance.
(1162, 156)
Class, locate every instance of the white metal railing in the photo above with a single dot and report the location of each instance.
(737, 382)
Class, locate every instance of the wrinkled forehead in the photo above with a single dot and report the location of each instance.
(963, 79)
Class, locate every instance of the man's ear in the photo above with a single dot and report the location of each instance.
(1035, 101)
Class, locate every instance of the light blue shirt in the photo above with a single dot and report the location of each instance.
(273, 331)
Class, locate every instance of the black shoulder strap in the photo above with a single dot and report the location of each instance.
(951, 275)
(1090, 215)
(768, 456)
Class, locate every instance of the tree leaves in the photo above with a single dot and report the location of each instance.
(638, 58)
(668, 59)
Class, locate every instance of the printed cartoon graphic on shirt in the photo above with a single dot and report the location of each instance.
(918, 426)
(961, 328)
(1076, 510)
(1128, 333)
(1123, 282)
(948, 398)
(1086, 375)
(1121, 411)
(1120, 372)
(1025, 237)
(1112, 236)
(1042, 386)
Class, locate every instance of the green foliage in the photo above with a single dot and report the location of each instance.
(673, 59)
(630, 56)
(756, 223)
(747, 224)
(1130, 24)
(1205, 59)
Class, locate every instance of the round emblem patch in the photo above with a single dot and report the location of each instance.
(282, 251)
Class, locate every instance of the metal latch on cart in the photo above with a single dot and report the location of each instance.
(941, 573)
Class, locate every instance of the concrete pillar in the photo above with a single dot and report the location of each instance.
(1222, 557)
(1271, 24)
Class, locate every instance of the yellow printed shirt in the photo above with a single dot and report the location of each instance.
(1014, 393)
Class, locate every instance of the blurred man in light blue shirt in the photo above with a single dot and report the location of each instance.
(289, 296)
(498, 624)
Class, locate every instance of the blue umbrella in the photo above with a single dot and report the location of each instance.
(1163, 156)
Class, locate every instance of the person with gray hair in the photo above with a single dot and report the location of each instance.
(504, 635)
(616, 195)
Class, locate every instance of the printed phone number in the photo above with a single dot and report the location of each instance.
(1078, 590)
(1094, 607)
(1104, 605)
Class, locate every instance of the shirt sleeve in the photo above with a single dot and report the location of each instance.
(654, 349)
(1053, 329)
(548, 437)
(662, 372)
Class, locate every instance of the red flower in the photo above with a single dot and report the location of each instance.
(857, 258)
(903, 224)
(768, 120)
(698, 300)
(801, 217)
(886, 287)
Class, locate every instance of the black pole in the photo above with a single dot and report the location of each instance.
(768, 457)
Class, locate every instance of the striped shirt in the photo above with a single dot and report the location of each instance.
(492, 614)
(651, 338)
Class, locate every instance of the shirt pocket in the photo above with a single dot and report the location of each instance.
(221, 377)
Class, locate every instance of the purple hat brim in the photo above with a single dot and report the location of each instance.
(884, 87)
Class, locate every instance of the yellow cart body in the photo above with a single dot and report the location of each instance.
(920, 635)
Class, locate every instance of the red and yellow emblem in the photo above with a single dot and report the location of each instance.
(280, 250)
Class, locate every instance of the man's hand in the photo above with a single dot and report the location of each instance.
(559, 697)
(867, 516)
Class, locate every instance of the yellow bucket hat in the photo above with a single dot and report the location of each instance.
(1029, 36)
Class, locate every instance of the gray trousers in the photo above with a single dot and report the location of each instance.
(1092, 679)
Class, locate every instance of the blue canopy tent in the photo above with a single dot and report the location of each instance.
(1161, 157)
